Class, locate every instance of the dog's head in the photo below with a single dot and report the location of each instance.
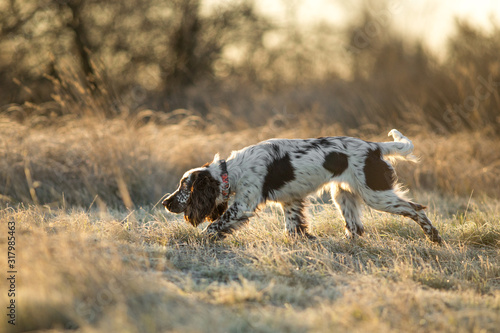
(196, 197)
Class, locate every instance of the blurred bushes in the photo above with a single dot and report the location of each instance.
(229, 62)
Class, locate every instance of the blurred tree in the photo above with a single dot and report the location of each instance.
(77, 24)
(162, 46)
(13, 21)
(206, 56)
(197, 41)
(473, 49)
(185, 65)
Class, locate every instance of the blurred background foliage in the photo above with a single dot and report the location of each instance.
(227, 60)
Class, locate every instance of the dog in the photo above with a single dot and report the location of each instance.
(286, 171)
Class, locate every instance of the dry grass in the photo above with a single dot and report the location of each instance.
(123, 162)
(148, 271)
(95, 254)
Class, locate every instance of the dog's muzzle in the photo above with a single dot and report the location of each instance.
(172, 205)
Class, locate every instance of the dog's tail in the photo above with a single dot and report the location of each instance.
(402, 147)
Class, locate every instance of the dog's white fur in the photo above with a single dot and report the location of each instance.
(286, 171)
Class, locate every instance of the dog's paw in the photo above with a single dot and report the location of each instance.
(302, 233)
(212, 234)
(309, 236)
(434, 237)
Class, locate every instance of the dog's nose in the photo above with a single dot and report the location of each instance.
(166, 202)
(170, 203)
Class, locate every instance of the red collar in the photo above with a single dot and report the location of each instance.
(226, 188)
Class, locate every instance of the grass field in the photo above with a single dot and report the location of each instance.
(123, 162)
(104, 105)
(148, 271)
(94, 254)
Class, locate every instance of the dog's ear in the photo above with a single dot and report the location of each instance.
(217, 212)
(201, 202)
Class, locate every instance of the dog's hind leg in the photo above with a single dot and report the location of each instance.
(348, 204)
(388, 201)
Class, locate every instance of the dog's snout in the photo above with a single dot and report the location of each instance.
(172, 204)
(167, 203)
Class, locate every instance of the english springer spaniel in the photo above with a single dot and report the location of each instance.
(286, 172)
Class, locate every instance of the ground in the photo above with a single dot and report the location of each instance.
(148, 271)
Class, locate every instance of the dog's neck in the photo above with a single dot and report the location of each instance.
(233, 169)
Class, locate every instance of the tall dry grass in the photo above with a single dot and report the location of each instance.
(148, 271)
(122, 162)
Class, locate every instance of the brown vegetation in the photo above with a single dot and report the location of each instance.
(123, 162)
(149, 272)
(103, 105)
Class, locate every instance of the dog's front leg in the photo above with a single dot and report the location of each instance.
(234, 217)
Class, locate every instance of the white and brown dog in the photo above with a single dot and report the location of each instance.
(286, 172)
